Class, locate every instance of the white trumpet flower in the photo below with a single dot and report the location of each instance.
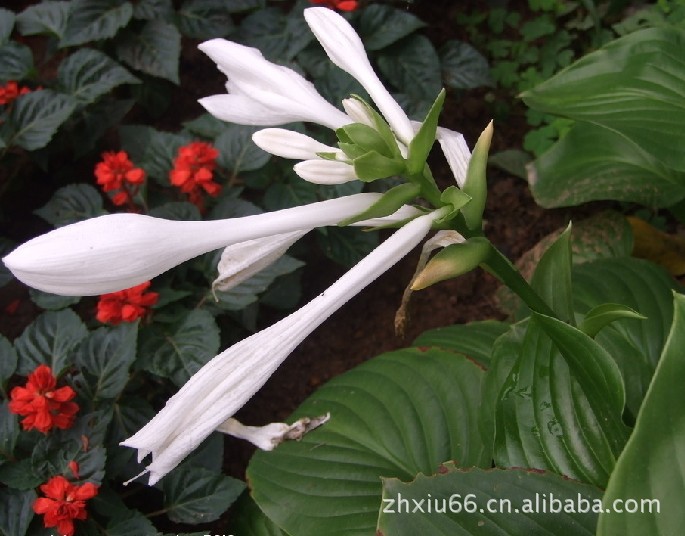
(119, 251)
(346, 50)
(456, 152)
(320, 171)
(263, 93)
(290, 144)
(230, 379)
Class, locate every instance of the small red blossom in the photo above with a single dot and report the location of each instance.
(10, 91)
(193, 171)
(342, 5)
(126, 305)
(42, 405)
(63, 503)
(117, 174)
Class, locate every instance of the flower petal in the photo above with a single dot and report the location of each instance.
(456, 152)
(290, 144)
(321, 171)
(346, 50)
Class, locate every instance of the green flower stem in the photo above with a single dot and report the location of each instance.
(499, 266)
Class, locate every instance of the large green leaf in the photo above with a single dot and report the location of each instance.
(649, 468)
(463, 67)
(154, 10)
(249, 520)
(94, 20)
(35, 118)
(72, 203)
(47, 17)
(633, 85)
(49, 340)
(107, 354)
(180, 351)
(413, 67)
(561, 406)
(7, 19)
(347, 245)
(397, 415)
(154, 50)
(474, 339)
(381, 25)
(488, 503)
(197, 495)
(88, 74)
(592, 162)
(17, 511)
(51, 302)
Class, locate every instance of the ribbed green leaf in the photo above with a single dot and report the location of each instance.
(237, 151)
(649, 468)
(205, 19)
(35, 118)
(592, 162)
(17, 511)
(381, 25)
(463, 67)
(47, 17)
(397, 415)
(94, 20)
(154, 50)
(72, 203)
(249, 520)
(88, 74)
(51, 302)
(633, 85)
(16, 61)
(561, 405)
(7, 19)
(49, 340)
(488, 503)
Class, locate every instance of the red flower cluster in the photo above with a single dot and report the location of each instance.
(116, 174)
(11, 91)
(42, 406)
(342, 5)
(63, 502)
(193, 171)
(126, 305)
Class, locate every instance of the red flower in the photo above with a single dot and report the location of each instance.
(116, 173)
(63, 502)
(342, 5)
(41, 405)
(126, 305)
(193, 171)
(11, 91)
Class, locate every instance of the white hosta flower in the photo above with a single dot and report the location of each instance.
(322, 171)
(241, 261)
(268, 437)
(456, 152)
(290, 144)
(263, 93)
(346, 50)
(230, 379)
(358, 112)
(119, 251)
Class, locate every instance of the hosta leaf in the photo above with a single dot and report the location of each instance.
(237, 151)
(197, 495)
(488, 503)
(72, 203)
(249, 520)
(107, 354)
(16, 61)
(49, 340)
(632, 85)
(475, 339)
(94, 20)
(35, 118)
(396, 415)
(463, 67)
(382, 25)
(155, 50)
(648, 468)
(88, 74)
(205, 19)
(561, 405)
(48, 17)
(592, 163)
(180, 352)
(7, 19)
(413, 67)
